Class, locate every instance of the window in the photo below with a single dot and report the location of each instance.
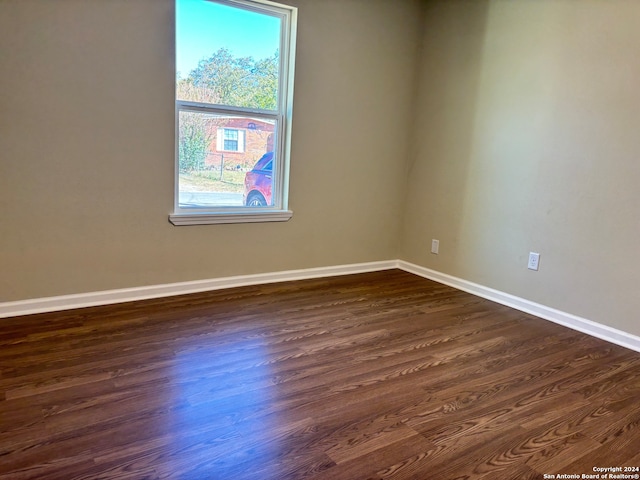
(234, 98)
(230, 140)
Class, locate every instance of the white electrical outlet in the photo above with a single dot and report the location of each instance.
(534, 261)
(435, 246)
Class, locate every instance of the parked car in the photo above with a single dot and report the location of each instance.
(257, 182)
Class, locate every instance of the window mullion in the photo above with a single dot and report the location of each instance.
(213, 107)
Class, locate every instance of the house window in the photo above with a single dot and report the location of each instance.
(234, 98)
(230, 140)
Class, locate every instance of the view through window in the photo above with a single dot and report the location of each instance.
(233, 101)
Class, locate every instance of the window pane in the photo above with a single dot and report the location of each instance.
(231, 145)
(227, 55)
(230, 134)
(215, 173)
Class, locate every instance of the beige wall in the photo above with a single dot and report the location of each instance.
(529, 140)
(86, 147)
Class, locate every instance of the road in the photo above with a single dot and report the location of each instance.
(218, 199)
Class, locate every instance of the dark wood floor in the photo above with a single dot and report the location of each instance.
(374, 376)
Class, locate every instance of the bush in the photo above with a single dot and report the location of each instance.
(193, 143)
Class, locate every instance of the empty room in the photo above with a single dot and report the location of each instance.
(319, 239)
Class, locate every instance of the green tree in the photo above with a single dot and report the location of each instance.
(193, 142)
(237, 81)
(266, 88)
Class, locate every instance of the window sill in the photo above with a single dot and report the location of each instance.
(209, 218)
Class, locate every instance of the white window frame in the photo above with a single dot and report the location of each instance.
(278, 211)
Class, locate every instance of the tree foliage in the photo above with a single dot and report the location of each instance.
(236, 81)
(193, 142)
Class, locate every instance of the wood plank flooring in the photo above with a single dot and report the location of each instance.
(374, 376)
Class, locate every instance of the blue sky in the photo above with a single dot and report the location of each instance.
(202, 27)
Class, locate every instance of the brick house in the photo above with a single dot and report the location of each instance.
(237, 142)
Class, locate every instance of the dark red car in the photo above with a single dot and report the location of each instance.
(257, 182)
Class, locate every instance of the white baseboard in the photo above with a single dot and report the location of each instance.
(569, 320)
(92, 299)
(67, 302)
